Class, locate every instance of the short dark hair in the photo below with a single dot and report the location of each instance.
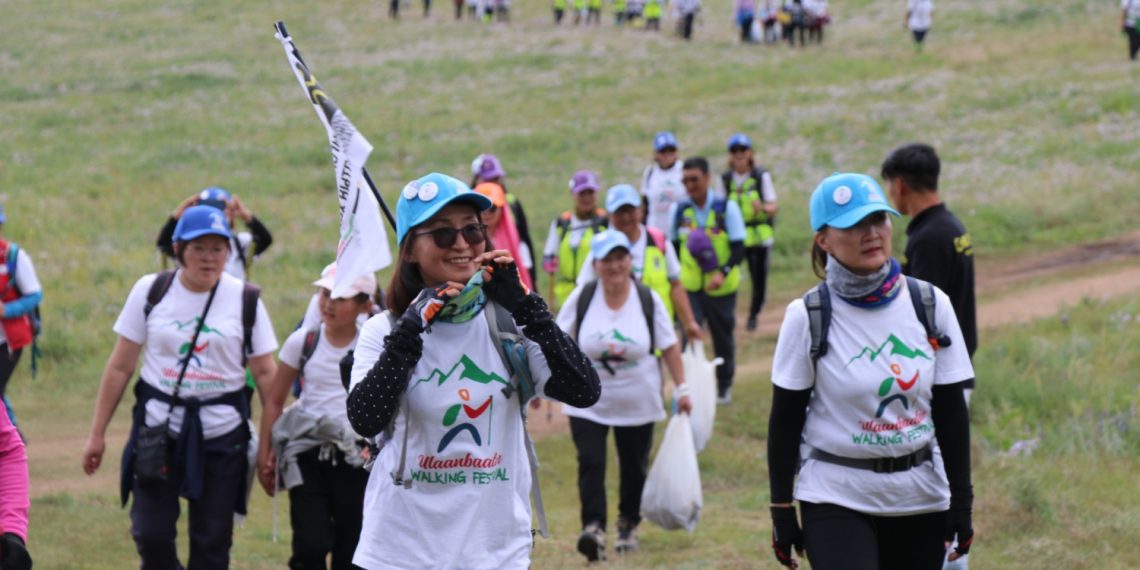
(916, 164)
(696, 162)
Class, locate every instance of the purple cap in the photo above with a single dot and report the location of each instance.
(491, 168)
(583, 180)
(701, 247)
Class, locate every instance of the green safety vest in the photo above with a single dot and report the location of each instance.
(757, 227)
(570, 259)
(653, 9)
(654, 273)
(619, 5)
(559, 4)
(692, 278)
(595, 4)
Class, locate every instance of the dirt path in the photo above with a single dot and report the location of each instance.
(1011, 291)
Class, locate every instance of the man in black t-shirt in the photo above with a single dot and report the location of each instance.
(938, 247)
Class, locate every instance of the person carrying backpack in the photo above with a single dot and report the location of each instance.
(488, 168)
(245, 247)
(315, 454)
(20, 296)
(197, 328)
(444, 377)
(622, 325)
(881, 465)
(750, 186)
(568, 241)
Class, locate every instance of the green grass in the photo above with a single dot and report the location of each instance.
(115, 111)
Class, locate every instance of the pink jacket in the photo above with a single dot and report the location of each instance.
(14, 501)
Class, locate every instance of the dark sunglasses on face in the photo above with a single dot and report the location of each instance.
(445, 237)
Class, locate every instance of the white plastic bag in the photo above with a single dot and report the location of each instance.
(672, 494)
(700, 375)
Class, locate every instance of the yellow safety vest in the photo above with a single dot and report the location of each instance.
(570, 259)
(757, 228)
(654, 273)
(692, 278)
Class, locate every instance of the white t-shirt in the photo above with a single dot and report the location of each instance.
(672, 264)
(323, 394)
(871, 399)
(662, 188)
(920, 14)
(1131, 8)
(215, 363)
(631, 395)
(469, 504)
(26, 280)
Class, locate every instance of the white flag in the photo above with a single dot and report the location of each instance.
(363, 244)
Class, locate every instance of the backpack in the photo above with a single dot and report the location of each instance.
(249, 295)
(817, 301)
(600, 221)
(312, 337)
(644, 293)
(34, 316)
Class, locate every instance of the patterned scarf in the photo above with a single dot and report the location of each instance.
(467, 304)
(866, 291)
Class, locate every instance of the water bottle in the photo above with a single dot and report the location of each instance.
(962, 563)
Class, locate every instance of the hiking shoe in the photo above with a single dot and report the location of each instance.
(627, 537)
(592, 542)
(752, 324)
(725, 397)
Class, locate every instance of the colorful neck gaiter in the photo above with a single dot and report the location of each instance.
(467, 304)
(866, 291)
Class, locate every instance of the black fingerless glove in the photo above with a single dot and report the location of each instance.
(960, 520)
(505, 287)
(423, 309)
(13, 553)
(786, 535)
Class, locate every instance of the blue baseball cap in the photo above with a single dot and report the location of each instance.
(423, 198)
(664, 140)
(739, 140)
(605, 242)
(214, 197)
(843, 199)
(621, 195)
(198, 221)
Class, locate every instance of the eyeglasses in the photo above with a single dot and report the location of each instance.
(445, 237)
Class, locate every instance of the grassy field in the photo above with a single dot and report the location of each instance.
(114, 111)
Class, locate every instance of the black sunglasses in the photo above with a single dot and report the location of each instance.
(473, 234)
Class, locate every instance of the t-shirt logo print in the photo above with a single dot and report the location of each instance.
(897, 377)
(617, 344)
(464, 369)
(184, 351)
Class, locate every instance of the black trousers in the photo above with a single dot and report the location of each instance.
(156, 508)
(790, 33)
(745, 30)
(633, 446)
(326, 512)
(758, 271)
(720, 312)
(840, 538)
(8, 364)
(919, 35)
(687, 25)
(1133, 42)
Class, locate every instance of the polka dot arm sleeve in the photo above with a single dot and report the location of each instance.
(374, 401)
(573, 379)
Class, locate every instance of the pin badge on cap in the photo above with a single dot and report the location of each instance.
(842, 195)
(410, 191)
(428, 191)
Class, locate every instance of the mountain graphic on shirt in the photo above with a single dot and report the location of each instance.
(616, 336)
(194, 322)
(468, 371)
(897, 347)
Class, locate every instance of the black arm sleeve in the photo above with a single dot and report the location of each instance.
(785, 429)
(952, 428)
(165, 241)
(375, 400)
(735, 253)
(261, 236)
(573, 379)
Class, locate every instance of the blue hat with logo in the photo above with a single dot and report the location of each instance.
(621, 195)
(843, 199)
(423, 198)
(214, 197)
(605, 242)
(739, 140)
(198, 221)
(664, 140)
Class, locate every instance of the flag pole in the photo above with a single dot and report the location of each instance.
(279, 26)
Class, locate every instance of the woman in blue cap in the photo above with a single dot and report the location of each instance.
(750, 186)
(244, 246)
(429, 378)
(622, 325)
(884, 481)
(190, 327)
(661, 185)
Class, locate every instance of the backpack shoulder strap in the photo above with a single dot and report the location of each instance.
(656, 238)
(312, 337)
(241, 253)
(158, 289)
(645, 294)
(10, 253)
(719, 207)
(817, 301)
(584, 299)
(601, 220)
(922, 297)
(250, 293)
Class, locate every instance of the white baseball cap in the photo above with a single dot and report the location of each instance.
(364, 284)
